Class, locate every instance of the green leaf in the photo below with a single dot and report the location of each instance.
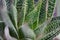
(52, 29)
(40, 28)
(23, 8)
(47, 27)
(19, 7)
(12, 11)
(25, 32)
(19, 12)
(31, 6)
(51, 35)
(51, 6)
(42, 15)
(5, 17)
(55, 23)
(33, 15)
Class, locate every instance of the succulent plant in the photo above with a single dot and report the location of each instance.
(27, 20)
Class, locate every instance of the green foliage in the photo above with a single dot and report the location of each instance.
(26, 32)
(50, 31)
(51, 35)
(29, 21)
(51, 5)
(42, 15)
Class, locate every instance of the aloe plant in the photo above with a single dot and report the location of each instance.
(27, 20)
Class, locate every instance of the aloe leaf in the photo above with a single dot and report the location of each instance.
(32, 16)
(24, 8)
(42, 15)
(40, 28)
(55, 23)
(25, 32)
(52, 29)
(51, 35)
(21, 7)
(51, 7)
(9, 23)
(31, 6)
(12, 11)
(5, 17)
(47, 27)
(19, 12)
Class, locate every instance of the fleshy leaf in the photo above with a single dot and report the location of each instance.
(40, 28)
(48, 27)
(19, 12)
(24, 7)
(51, 35)
(51, 7)
(33, 15)
(26, 32)
(42, 15)
(12, 11)
(5, 17)
(52, 29)
(55, 23)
